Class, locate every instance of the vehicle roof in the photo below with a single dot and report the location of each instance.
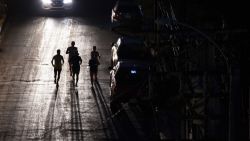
(130, 40)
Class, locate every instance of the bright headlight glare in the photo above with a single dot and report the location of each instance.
(67, 1)
(46, 1)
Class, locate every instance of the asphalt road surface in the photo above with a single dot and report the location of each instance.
(32, 107)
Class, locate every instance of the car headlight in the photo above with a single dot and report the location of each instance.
(133, 71)
(67, 1)
(46, 1)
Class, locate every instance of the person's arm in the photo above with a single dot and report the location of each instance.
(67, 51)
(98, 55)
(91, 54)
(90, 63)
(80, 60)
(52, 61)
(62, 61)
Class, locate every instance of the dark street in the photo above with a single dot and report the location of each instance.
(192, 89)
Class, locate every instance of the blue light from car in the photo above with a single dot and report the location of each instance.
(133, 71)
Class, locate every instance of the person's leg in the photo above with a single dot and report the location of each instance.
(77, 77)
(77, 74)
(96, 75)
(58, 77)
(55, 73)
(91, 77)
(73, 77)
(70, 69)
(73, 73)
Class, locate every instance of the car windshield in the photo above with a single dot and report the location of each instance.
(131, 76)
(133, 51)
(128, 9)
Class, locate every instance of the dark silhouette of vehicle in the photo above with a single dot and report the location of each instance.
(128, 80)
(128, 48)
(127, 13)
(57, 4)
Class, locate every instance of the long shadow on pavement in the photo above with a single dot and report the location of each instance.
(49, 123)
(76, 119)
(119, 122)
(103, 113)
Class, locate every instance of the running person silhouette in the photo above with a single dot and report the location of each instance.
(71, 51)
(95, 54)
(93, 64)
(76, 61)
(57, 62)
(93, 69)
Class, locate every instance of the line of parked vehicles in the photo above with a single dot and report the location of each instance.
(130, 57)
(127, 13)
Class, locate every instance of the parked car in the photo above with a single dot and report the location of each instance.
(127, 13)
(128, 48)
(57, 4)
(128, 80)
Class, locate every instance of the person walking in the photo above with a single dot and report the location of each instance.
(76, 61)
(57, 62)
(71, 51)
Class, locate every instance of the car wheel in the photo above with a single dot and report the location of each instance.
(115, 106)
(111, 63)
(110, 81)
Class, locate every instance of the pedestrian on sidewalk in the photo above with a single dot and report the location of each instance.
(57, 62)
(76, 61)
(71, 51)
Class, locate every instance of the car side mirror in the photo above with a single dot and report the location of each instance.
(140, 7)
(113, 43)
